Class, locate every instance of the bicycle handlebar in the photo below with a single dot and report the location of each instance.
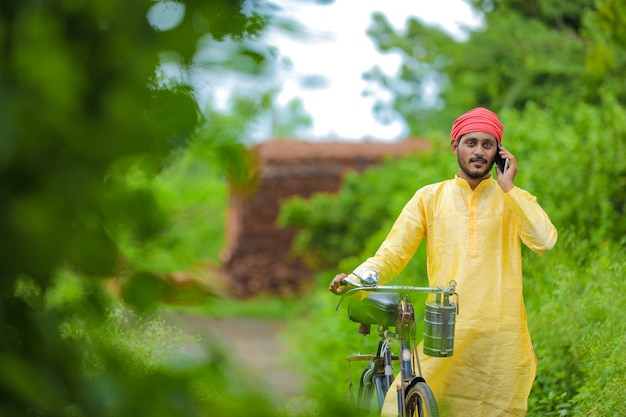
(374, 287)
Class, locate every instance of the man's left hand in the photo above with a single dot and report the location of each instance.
(506, 180)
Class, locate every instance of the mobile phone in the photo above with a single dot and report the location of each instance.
(503, 164)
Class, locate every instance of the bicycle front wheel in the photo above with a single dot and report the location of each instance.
(420, 401)
(371, 394)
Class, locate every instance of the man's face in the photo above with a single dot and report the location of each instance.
(476, 152)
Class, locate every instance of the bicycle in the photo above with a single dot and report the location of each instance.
(391, 306)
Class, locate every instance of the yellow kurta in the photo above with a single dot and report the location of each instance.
(473, 237)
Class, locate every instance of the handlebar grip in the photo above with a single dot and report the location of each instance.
(349, 281)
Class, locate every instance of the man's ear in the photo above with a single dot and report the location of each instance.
(454, 146)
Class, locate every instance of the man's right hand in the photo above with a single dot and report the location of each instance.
(336, 287)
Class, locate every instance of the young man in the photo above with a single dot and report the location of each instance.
(474, 226)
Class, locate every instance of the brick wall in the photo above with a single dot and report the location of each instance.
(257, 258)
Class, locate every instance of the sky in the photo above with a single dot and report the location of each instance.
(340, 50)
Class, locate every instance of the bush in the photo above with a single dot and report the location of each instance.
(573, 158)
(334, 227)
(577, 328)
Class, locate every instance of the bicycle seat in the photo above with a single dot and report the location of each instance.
(376, 308)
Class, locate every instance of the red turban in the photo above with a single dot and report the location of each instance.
(478, 120)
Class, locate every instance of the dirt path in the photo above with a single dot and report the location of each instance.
(259, 345)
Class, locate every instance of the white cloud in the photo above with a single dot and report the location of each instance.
(338, 48)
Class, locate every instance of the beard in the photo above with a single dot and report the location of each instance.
(475, 173)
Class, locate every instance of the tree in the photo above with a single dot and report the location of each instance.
(539, 51)
(83, 107)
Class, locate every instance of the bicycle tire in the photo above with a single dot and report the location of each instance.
(365, 395)
(419, 401)
(371, 395)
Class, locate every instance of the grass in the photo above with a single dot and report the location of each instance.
(266, 307)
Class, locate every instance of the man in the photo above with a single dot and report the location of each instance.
(473, 226)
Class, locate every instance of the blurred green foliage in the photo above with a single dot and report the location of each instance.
(577, 164)
(332, 228)
(107, 163)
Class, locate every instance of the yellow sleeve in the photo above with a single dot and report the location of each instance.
(535, 228)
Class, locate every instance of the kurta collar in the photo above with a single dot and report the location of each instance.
(465, 185)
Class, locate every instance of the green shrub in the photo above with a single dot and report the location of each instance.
(577, 328)
(116, 354)
(191, 193)
(333, 227)
(573, 158)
